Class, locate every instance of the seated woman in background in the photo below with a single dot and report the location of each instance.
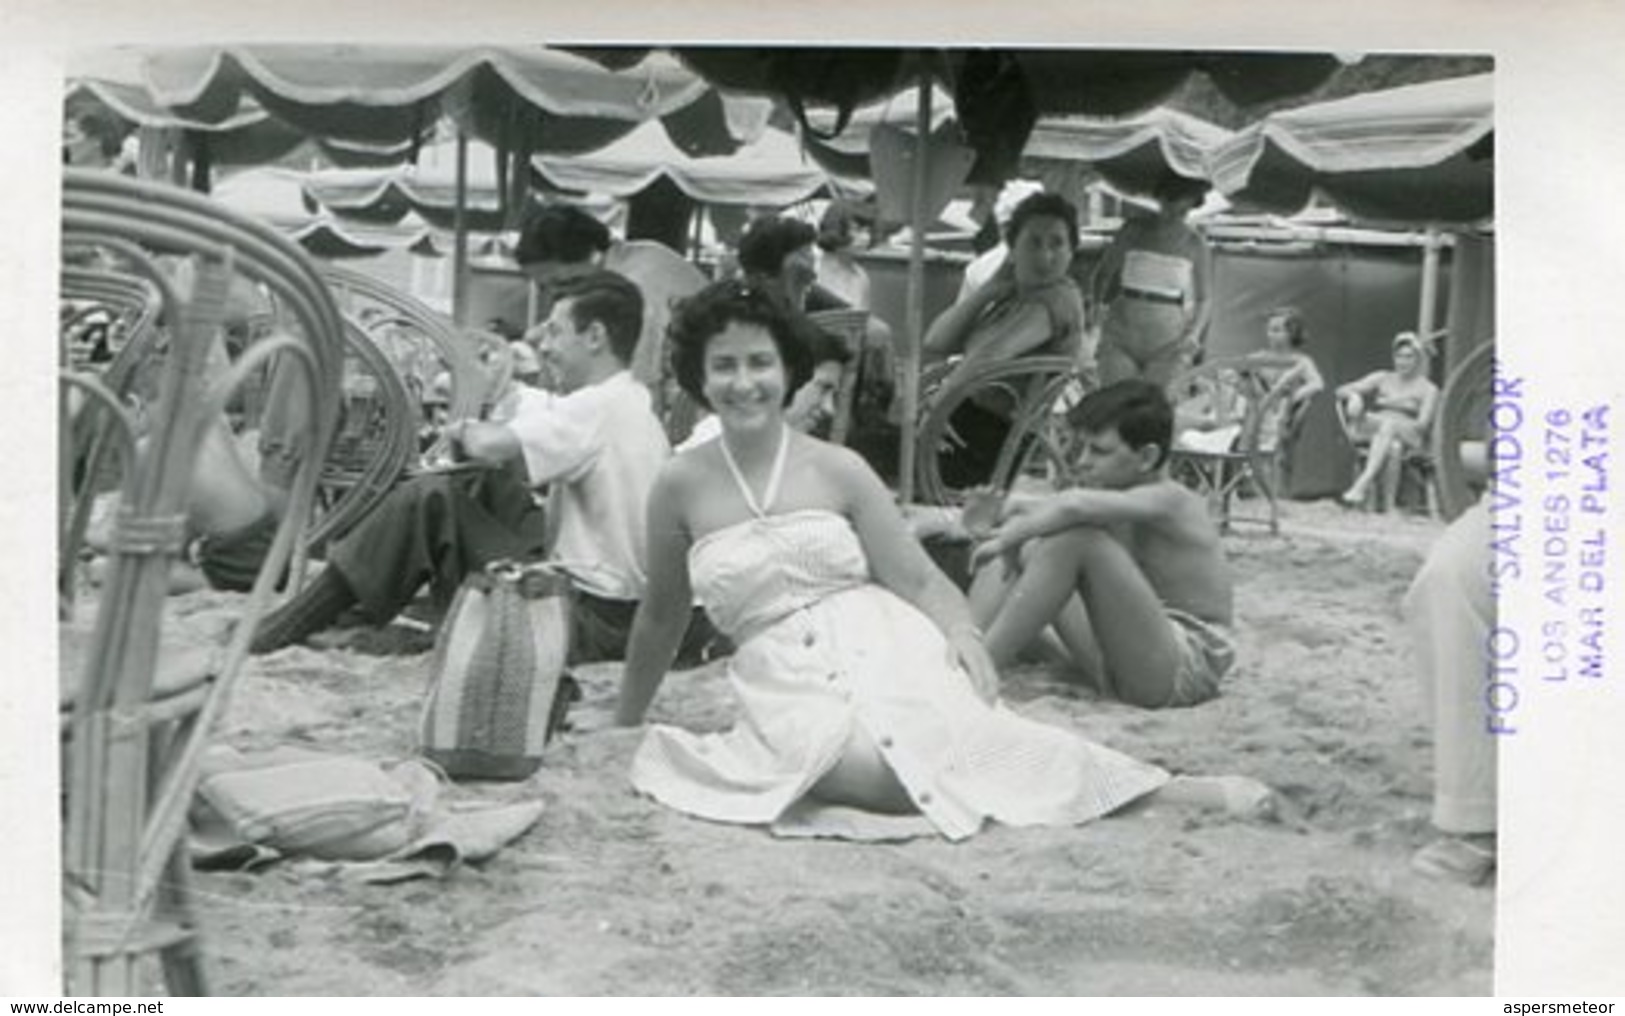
(1029, 308)
(869, 704)
(1392, 409)
(1292, 377)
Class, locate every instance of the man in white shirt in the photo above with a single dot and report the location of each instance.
(594, 443)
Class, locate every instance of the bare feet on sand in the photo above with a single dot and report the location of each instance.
(1241, 796)
(1469, 859)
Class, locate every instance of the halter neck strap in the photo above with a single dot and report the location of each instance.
(774, 476)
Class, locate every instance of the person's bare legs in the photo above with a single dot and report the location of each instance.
(1236, 795)
(1388, 479)
(1068, 642)
(1385, 444)
(989, 588)
(1138, 645)
(1076, 638)
(862, 778)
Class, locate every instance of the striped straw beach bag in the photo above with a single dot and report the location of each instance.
(498, 688)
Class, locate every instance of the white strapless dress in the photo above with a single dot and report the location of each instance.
(822, 651)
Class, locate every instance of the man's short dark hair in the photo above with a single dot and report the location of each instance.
(612, 300)
(769, 240)
(560, 233)
(1043, 205)
(1138, 410)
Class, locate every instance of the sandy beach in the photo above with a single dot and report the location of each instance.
(611, 893)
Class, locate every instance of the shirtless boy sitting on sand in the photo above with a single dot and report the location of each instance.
(1127, 567)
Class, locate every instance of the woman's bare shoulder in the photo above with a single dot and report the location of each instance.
(836, 465)
(688, 469)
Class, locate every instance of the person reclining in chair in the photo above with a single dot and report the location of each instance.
(594, 442)
(1029, 308)
(240, 482)
(1393, 410)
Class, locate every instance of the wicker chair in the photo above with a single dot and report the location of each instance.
(1227, 438)
(1462, 421)
(1038, 391)
(375, 442)
(131, 306)
(135, 728)
(419, 341)
(395, 348)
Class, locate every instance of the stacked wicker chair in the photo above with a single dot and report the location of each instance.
(1040, 389)
(137, 722)
(418, 341)
(132, 305)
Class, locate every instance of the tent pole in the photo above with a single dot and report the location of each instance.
(915, 319)
(459, 249)
(180, 152)
(1430, 283)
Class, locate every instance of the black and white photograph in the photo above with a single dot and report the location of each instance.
(743, 514)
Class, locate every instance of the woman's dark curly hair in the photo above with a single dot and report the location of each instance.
(1043, 205)
(705, 315)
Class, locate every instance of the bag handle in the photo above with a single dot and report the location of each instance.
(533, 579)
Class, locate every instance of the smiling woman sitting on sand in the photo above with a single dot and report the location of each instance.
(870, 705)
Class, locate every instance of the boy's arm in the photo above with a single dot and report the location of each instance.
(1027, 519)
(1082, 506)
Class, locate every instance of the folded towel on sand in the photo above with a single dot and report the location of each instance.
(387, 819)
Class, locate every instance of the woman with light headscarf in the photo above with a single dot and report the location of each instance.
(1392, 409)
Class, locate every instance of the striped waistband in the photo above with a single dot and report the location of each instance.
(1150, 297)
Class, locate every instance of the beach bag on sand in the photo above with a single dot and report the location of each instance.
(296, 801)
(497, 683)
